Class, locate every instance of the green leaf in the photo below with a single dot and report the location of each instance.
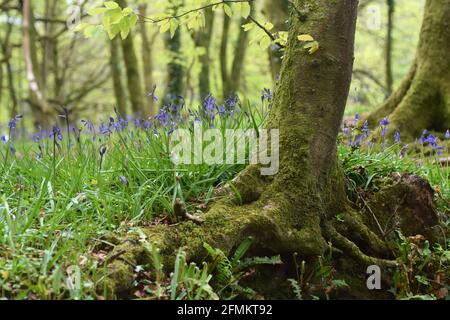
(248, 26)
(245, 10)
(127, 11)
(111, 5)
(265, 42)
(228, 11)
(242, 250)
(165, 26)
(81, 27)
(96, 11)
(305, 38)
(173, 27)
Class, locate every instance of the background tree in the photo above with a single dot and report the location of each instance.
(422, 100)
(278, 13)
(116, 76)
(231, 81)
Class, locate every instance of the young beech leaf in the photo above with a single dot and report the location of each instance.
(111, 5)
(248, 26)
(312, 46)
(96, 11)
(245, 10)
(305, 38)
(228, 11)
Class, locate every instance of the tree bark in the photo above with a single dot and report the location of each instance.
(202, 39)
(278, 13)
(39, 103)
(147, 60)
(423, 99)
(231, 80)
(294, 210)
(174, 88)
(116, 75)
(135, 91)
(389, 45)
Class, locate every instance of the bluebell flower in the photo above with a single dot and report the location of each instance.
(56, 132)
(447, 135)
(397, 136)
(12, 149)
(439, 150)
(152, 94)
(3, 139)
(365, 129)
(124, 181)
(357, 117)
(267, 95)
(384, 121)
(432, 141)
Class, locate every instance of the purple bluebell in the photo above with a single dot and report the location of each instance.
(439, 150)
(124, 181)
(397, 136)
(357, 117)
(267, 95)
(152, 94)
(447, 135)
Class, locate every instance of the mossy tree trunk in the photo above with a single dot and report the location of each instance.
(423, 99)
(294, 210)
(134, 84)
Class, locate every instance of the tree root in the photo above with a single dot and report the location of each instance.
(353, 250)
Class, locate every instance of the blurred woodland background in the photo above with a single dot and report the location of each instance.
(90, 77)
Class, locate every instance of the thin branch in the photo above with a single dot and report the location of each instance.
(271, 36)
(193, 10)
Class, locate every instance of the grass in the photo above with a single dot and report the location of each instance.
(59, 200)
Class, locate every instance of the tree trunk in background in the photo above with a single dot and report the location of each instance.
(294, 210)
(135, 92)
(278, 14)
(116, 75)
(389, 49)
(39, 104)
(223, 55)
(174, 88)
(7, 54)
(423, 99)
(231, 81)
(147, 61)
(202, 39)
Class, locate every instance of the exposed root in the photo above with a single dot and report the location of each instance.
(353, 250)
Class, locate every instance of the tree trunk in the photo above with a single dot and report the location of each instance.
(278, 13)
(232, 80)
(389, 44)
(116, 74)
(202, 39)
(174, 88)
(135, 92)
(39, 103)
(7, 55)
(147, 60)
(423, 99)
(294, 210)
